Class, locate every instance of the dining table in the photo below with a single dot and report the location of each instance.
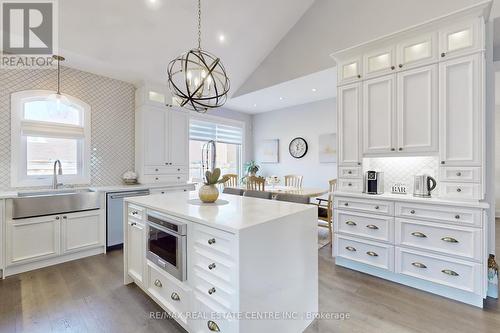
(311, 192)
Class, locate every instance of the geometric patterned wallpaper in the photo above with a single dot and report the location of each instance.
(112, 106)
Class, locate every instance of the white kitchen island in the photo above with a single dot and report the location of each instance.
(251, 264)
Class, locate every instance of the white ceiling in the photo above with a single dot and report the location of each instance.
(306, 89)
(134, 40)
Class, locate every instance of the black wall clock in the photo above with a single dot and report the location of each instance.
(298, 147)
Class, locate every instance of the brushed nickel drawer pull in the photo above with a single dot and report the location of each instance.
(377, 207)
(457, 217)
(459, 174)
(211, 241)
(449, 240)
(211, 266)
(158, 283)
(449, 272)
(346, 204)
(459, 190)
(371, 226)
(349, 172)
(372, 254)
(418, 234)
(212, 326)
(350, 248)
(412, 211)
(352, 223)
(211, 291)
(175, 296)
(418, 264)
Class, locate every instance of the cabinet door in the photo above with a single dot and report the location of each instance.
(462, 38)
(349, 110)
(379, 62)
(418, 110)
(32, 239)
(349, 71)
(418, 51)
(378, 115)
(460, 111)
(179, 138)
(155, 121)
(136, 249)
(81, 231)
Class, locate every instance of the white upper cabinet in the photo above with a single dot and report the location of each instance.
(349, 71)
(418, 51)
(178, 132)
(417, 110)
(460, 111)
(461, 39)
(378, 115)
(155, 126)
(379, 62)
(349, 110)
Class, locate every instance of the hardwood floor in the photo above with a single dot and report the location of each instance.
(87, 295)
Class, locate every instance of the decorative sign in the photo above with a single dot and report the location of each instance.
(328, 148)
(399, 188)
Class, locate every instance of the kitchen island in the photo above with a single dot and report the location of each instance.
(240, 265)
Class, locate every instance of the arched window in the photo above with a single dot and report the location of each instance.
(45, 130)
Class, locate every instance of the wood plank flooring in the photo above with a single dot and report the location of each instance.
(87, 295)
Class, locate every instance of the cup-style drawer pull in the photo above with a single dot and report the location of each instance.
(135, 212)
(349, 184)
(211, 266)
(211, 241)
(351, 223)
(418, 234)
(459, 174)
(418, 265)
(133, 223)
(372, 254)
(372, 227)
(211, 291)
(212, 326)
(158, 283)
(449, 272)
(350, 248)
(412, 211)
(457, 216)
(175, 296)
(449, 240)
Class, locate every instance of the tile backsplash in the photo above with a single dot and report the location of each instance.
(402, 169)
(112, 103)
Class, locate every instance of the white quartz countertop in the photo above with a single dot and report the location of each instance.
(411, 198)
(240, 213)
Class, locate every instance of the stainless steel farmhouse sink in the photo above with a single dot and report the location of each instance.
(31, 204)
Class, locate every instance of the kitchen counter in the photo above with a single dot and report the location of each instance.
(411, 198)
(240, 213)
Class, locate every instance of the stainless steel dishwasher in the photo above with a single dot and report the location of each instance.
(114, 216)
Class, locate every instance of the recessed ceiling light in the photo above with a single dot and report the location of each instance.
(153, 4)
(222, 38)
(255, 105)
(281, 98)
(313, 89)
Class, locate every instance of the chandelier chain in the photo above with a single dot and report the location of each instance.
(199, 24)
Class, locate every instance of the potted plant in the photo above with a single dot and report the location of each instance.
(209, 193)
(251, 168)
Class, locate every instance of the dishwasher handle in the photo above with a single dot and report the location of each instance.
(128, 194)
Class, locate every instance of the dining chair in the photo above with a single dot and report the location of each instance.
(292, 198)
(293, 181)
(257, 194)
(232, 180)
(256, 183)
(325, 209)
(232, 190)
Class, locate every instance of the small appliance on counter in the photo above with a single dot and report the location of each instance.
(423, 186)
(374, 182)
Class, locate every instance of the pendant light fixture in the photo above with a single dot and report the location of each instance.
(58, 97)
(197, 78)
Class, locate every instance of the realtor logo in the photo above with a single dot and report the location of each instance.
(28, 35)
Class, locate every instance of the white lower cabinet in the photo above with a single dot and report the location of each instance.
(426, 246)
(136, 249)
(81, 231)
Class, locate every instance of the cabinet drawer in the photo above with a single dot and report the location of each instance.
(214, 265)
(211, 318)
(350, 185)
(136, 212)
(453, 273)
(212, 288)
(152, 179)
(158, 170)
(448, 214)
(363, 225)
(371, 206)
(349, 172)
(462, 174)
(167, 291)
(461, 191)
(366, 252)
(214, 241)
(452, 240)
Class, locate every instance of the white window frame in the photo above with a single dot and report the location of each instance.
(19, 177)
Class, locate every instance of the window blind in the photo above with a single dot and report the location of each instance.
(206, 131)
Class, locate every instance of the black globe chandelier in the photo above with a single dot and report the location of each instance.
(197, 78)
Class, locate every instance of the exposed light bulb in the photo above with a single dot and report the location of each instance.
(222, 38)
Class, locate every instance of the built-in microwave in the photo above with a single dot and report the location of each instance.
(167, 244)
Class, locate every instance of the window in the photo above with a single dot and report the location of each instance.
(45, 130)
(229, 147)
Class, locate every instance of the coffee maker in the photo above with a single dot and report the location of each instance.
(374, 182)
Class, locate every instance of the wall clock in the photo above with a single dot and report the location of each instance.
(298, 147)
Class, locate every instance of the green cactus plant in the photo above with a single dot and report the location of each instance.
(212, 177)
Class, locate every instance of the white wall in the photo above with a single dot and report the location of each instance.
(307, 121)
